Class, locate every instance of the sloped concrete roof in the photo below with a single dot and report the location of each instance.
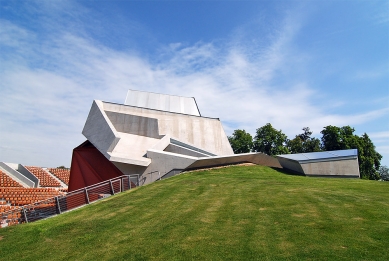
(321, 156)
(163, 102)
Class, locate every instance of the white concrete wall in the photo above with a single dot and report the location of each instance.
(132, 124)
(336, 167)
(164, 162)
(205, 133)
(20, 174)
(132, 149)
(345, 167)
(99, 130)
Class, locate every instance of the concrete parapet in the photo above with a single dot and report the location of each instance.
(184, 151)
(20, 174)
(256, 158)
(163, 162)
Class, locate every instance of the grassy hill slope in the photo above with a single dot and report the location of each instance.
(235, 213)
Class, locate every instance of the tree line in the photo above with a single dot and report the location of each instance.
(270, 141)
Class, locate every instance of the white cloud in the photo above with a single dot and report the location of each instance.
(380, 135)
(48, 86)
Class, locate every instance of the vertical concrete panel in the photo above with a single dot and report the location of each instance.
(99, 130)
(291, 165)
(346, 167)
(163, 102)
(189, 132)
(195, 131)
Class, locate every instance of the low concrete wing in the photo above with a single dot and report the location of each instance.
(339, 163)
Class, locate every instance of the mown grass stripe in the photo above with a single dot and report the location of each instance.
(235, 213)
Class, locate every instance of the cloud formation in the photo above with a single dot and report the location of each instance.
(49, 82)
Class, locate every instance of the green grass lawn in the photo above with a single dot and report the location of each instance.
(235, 213)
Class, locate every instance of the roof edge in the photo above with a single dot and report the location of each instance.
(160, 110)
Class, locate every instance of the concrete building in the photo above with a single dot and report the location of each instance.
(339, 163)
(154, 135)
(158, 136)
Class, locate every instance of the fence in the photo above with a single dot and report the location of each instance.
(75, 199)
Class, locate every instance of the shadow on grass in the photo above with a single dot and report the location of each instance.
(288, 172)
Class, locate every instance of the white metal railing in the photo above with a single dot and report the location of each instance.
(75, 199)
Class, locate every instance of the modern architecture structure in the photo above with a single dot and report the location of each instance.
(338, 163)
(158, 136)
(154, 135)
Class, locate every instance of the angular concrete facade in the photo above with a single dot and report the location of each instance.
(340, 163)
(165, 136)
(158, 136)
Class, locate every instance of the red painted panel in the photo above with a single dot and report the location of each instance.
(89, 167)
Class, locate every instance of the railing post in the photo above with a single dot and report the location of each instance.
(112, 191)
(25, 215)
(87, 196)
(58, 206)
(30, 213)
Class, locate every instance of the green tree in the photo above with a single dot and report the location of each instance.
(295, 145)
(384, 173)
(270, 141)
(336, 138)
(304, 143)
(369, 159)
(241, 141)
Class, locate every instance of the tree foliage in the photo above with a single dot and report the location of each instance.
(273, 142)
(303, 143)
(342, 138)
(241, 141)
(270, 141)
(384, 173)
(369, 159)
(338, 138)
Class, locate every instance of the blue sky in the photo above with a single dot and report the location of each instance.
(294, 64)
